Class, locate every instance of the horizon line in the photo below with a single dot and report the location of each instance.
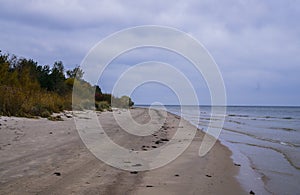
(222, 105)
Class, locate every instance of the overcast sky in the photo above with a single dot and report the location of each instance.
(256, 44)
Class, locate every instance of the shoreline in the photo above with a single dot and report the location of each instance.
(248, 177)
(42, 156)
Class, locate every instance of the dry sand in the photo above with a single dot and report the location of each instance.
(38, 156)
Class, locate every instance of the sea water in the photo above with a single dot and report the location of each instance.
(265, 141)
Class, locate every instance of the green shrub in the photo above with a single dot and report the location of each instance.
(102, 106)
(55, 118)
(28, 89)
(45, 114)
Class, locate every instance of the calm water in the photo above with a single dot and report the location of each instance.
(264, 140)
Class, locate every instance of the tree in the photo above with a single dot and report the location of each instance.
(123, 102)
(4, 69)
(57, 79)
(29, 89)
(58, 67)
(43, 76)
(77, 73)
(98, 90)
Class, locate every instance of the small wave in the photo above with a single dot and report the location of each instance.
(287, 118)
(273, 117)
(284, 128)
(268, 117)
(238, 115)
(260, 138)
(271, 148)
(237, 122)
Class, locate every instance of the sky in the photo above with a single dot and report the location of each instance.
(256, 44)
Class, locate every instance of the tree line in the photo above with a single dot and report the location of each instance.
(29, 89)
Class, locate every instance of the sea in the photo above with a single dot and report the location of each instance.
(264, 140)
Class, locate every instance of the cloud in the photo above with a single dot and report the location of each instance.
(255, 43)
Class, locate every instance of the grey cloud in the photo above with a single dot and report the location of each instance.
(257, 39)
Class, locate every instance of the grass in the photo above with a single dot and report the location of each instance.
(23, 103)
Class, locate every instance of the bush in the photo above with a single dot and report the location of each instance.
(55, 118)
(28, 89)
(102, 106)
(45, 114)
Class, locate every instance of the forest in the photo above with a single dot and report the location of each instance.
(28, 89)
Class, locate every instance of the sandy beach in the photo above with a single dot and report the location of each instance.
(39, 156)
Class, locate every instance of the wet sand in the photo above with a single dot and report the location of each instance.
(38, 156)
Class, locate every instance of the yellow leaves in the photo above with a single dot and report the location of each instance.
(70, 82)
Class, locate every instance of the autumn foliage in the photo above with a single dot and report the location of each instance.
(28, 89)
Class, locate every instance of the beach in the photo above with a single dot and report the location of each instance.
(39, 156)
